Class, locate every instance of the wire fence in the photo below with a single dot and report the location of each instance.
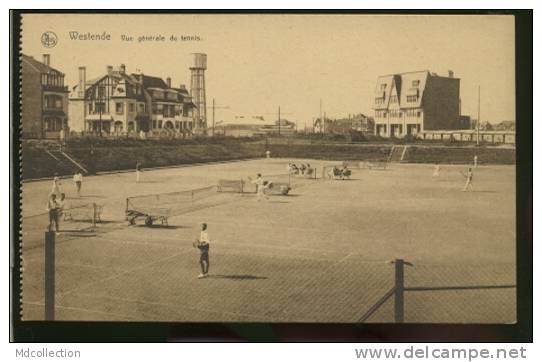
(137, 279)
(448, 293)
(86, 274)
(72, 219)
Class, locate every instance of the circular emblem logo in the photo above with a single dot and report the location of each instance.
(49, 39)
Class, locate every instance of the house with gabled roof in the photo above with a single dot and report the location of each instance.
(409, 103)
(120, 103)
(44, 98)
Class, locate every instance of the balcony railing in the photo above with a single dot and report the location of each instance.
(54, 88)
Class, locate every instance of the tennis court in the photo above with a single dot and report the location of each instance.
(319, 254)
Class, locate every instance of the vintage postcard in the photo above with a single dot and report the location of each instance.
(321, 168)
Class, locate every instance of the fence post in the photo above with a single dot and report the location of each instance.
(49, 276)
(399, 291)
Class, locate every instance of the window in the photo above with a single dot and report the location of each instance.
(52, 102)
(101, 92)
(160, 123)
(383, 87)
(395, 113)
(54, 80)
(99, 107)
(142, 107)
(393, 99)
(119, 108)
(131, 107)
(53, 124)
(169, 110)
(153, 123)
(412, 98)
(413, 113)
(419, 114)
(415, 83)
(379, 100)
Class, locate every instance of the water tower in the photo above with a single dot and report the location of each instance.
(197, 88)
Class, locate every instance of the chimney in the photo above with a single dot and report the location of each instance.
(47, 59)
(82, 82)
(122, 69)
(168, 82)
(109, 69)
(451, 73)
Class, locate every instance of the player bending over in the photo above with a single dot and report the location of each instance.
(261, 185)
(203, 245)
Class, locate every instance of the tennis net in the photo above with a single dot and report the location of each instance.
(159, 207)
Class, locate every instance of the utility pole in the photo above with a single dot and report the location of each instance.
(216, 107)
(279, 120)
(478, 123)
(321, 120)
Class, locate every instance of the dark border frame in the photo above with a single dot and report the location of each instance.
(522, 331)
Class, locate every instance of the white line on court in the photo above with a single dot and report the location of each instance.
(39, 304)
(176, 306)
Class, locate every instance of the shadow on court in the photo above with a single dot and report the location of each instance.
(161, 226)
(237, 277)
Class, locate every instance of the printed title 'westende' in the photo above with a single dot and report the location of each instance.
(75, 35)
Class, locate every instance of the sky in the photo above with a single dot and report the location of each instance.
(256, 63)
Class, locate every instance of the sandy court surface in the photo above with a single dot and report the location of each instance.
(317, 255)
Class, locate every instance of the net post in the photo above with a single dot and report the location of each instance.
(399, 306)
(49, 301)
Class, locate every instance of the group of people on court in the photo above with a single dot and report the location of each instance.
(56, 202)
(341, 172)
(299, 170)
(468, 175)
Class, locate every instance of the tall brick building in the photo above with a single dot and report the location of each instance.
(44, 97)
(409, 103)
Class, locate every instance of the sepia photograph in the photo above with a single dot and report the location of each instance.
(276, 168)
